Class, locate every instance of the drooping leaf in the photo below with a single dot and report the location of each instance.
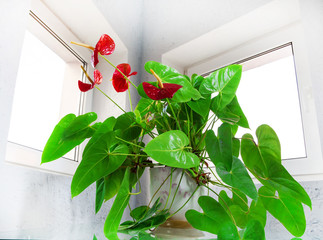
(228, 232)
(97, 162)
(254, 231)
(214, 218)
(125, 120)
(120, 203)
(268, 170)
(225, 81)
(169, 75)
(230, 168)
(94, 237)
(231, 113)
(169, 149)
(235, 147)
(56, 145)
(112, 183)
(238, 207)
(80, 126)
(269, 144)
(100, 193)
(238, 177)
(106, 126)
(289, 211)
(139, 212)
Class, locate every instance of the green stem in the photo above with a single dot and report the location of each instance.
(118, 70)
(171, 108)
(184, 203)
(110, 99)
(180, 180)
(128, 142)
(130, 100)
(160, 187)
(170, 189)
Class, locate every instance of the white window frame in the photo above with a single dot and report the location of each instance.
(90, 31)
(248, 36)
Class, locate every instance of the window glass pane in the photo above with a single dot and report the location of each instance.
(38, 93)
(268, 94)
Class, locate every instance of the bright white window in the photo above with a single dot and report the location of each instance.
(276, 85)
(268, 93)
(46, 90)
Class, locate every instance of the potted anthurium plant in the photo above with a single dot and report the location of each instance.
(178, 114)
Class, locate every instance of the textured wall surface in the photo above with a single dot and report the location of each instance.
(37, 204)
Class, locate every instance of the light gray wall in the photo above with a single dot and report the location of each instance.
(38, 204)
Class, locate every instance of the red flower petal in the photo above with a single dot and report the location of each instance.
(120, 84)
(97, 76)
(84, 87)
(94, 58)
(105, 45)
(155, 93)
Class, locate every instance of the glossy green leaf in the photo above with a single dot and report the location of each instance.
(112, 183)
(268, 170)
(139, 212)
(225, 81)
(228, 232)
(240, 211)
(169, 148)
(100, 193)
(230, 168)
(98, 162)
(120, 203)
(197, 80)
(125, 120)
(106, 126)
(231, 113)
(80, 125)
(144, 106)
(201, 106)
(254, 231)
(213, 219)
(238, 177)
(289, 211)
(235, 147)
(269, 144)
(56, 146)
(170, 75)
(202, 222)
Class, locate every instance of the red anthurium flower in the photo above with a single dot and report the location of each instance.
(119, 82)
(167, 91)
(84, 87)
(105, 46)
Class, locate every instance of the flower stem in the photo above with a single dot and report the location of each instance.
(185, 202)
(170, 189)
(110, 99)
(180, 180)
(171, 108)
(130, 100)
(118, 70)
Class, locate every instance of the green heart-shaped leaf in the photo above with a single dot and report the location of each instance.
(97, 162)
(263, 164)
(58, 144)
(78, 125)
(169, 148)
(225, 81)
(289, 211)
(201, 106)
(238, 177)
(254, 231)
